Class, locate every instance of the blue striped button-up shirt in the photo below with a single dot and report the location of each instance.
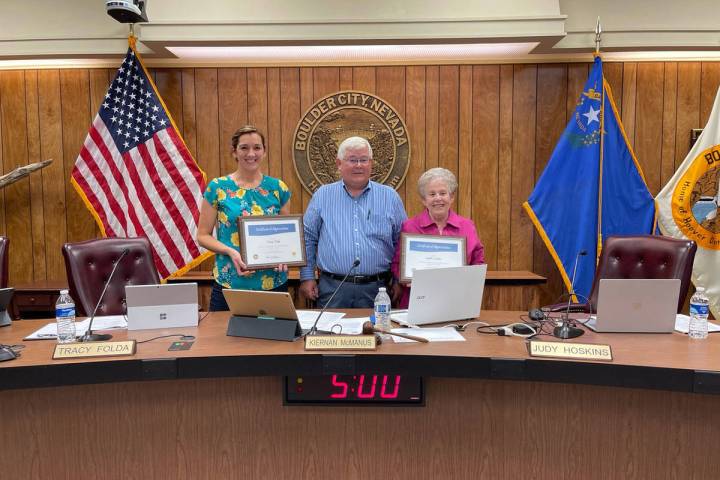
(340, 228)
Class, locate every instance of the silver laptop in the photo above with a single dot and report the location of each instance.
(162, 306)
(444, 295)
(6, 295)
(636, 306)
(258, 303)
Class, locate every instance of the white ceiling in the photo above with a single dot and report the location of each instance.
(278, 32)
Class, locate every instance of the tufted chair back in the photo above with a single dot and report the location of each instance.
(88, 265)
(4, 257)
(645, 256)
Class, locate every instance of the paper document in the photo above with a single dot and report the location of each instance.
(331, 322)
(350, 326)
(307, 317)
(107, 322)
(399, 317)
(439, 334)
(682, 324)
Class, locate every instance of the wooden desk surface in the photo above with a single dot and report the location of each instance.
(665, 361)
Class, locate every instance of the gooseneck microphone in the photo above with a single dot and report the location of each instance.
(314, 329)
(98, 337)
(565, 330)
(581, 253)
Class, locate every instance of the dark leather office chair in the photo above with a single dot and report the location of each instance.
(88, 265)
(4, 257)
(641, 256)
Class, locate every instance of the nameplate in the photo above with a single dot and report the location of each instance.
(94, 349)
(340, 342)
(577, 351)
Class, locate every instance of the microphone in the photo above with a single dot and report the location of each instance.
(97, 337)
(314, 329)
(581, 253)
(565, 330)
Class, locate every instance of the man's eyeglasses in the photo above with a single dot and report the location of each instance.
(357, 161)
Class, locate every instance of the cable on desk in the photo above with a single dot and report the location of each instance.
(15, 348)
(463, 327)
(182, 337)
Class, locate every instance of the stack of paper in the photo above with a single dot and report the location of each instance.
(441, 334)
(331, 322)
(108, 322)
(682, 324)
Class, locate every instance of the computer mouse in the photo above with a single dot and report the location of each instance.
(6, 353)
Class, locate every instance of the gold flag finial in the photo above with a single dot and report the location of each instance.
(132, 39)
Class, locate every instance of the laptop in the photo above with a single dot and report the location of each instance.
(258, 303)
(6, 295)
(261, 314)
(636, 306)
(444, 295)
(162, 306)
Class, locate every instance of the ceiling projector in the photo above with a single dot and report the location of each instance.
(127, 11)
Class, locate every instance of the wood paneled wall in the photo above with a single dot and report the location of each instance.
(495, 126)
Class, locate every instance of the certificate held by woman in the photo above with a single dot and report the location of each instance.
(268, 241)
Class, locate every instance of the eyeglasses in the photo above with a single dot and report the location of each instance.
(358, 161)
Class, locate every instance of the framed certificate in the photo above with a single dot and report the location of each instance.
(429, 251)
(266, 241)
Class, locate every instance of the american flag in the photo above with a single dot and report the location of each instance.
(136, 175)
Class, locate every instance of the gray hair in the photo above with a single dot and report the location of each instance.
(353, 143)
(437, 174)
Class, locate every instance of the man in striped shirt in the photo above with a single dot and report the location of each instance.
(353, 219)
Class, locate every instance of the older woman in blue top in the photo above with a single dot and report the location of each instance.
(246, 191)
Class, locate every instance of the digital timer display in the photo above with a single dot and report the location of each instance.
(354, 389)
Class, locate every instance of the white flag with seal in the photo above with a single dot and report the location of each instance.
(688, 207)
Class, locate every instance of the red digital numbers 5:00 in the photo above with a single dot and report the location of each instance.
(367, 387)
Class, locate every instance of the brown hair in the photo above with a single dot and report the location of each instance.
(244, 131)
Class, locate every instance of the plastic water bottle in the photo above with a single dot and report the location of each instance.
(699, 309)
(65, 318)
(382, 312)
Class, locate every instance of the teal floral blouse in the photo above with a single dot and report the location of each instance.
(232, 201)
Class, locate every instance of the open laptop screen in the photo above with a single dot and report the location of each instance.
(636, 305)
(162, 306)
(446, 294)
(256, 303)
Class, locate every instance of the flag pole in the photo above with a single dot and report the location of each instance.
(598, 32)
(132, 39)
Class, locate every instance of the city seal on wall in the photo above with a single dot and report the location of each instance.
(696, 199)
(345, 114)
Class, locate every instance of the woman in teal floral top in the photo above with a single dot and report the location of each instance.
(244, 192)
